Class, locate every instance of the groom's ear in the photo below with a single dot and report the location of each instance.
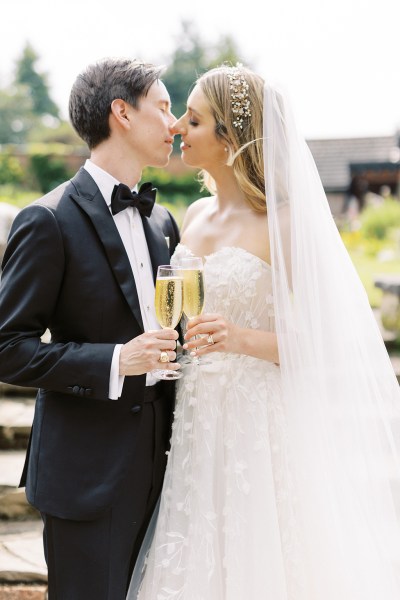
(120, 112)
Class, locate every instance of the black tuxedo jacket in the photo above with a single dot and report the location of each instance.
(66, 269)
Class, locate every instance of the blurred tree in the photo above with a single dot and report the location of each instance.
(191, 58)
(226, 51)
(187, 62)
(60, 132)
(36, 83)
(16, 115)
(27, 113)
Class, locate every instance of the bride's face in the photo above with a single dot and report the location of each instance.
(200, 146)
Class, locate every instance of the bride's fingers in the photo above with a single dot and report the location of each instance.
(211, 319)
(204, 329)
(202, 339)
(200, 342)
(206, 349)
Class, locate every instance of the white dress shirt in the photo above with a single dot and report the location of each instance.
(130, 227)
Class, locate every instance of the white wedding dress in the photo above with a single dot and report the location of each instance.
(227, 489)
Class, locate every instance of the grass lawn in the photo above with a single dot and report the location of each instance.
(368, 268)
(373, 256)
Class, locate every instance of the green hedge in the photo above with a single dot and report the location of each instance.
(174, 189)
(48, 168)
(11, 171)
(377, 221)
(49, 171)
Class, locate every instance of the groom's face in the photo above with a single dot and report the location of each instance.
(151, 137)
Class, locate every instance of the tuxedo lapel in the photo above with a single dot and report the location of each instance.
(92, 203)
(156, 243)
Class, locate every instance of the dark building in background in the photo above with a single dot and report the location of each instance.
(370, 161)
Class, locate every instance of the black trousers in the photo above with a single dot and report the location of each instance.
(93, 560)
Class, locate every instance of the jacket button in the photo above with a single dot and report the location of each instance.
(136, 409)
(75, 389)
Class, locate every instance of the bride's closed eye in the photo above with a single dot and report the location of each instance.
(193, 123)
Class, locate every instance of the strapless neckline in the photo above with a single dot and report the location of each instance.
(225, 249)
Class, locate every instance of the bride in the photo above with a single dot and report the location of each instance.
(284, 465)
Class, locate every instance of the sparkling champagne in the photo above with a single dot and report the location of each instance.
(168, 301)
(193, 292)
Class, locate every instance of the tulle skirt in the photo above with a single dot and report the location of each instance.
(227, 491)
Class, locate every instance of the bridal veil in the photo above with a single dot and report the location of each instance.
(340, 394)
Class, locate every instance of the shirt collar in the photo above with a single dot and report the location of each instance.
(104, 181)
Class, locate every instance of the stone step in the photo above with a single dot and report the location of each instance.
(16, 417)
(13, 502)
(11, 465)
(21, 554)
(23, 571)
(9, 389)
(23, 592)
(14, 505)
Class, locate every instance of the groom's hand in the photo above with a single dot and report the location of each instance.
(142, 354)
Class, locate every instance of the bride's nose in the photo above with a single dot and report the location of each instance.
(179, 127)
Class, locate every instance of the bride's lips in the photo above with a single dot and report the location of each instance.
(184, 146)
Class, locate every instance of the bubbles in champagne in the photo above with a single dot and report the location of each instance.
(168, 301)
(193, 292)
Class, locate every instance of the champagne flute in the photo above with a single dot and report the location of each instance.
(193, 294)
(168, 305)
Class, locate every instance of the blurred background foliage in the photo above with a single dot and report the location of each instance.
(37, 144)
(375, 246)
(39, 149)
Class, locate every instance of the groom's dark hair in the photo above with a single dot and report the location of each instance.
(98, 85)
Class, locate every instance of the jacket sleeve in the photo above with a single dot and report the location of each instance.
(32, 276)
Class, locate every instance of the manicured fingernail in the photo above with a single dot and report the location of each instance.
(193, 353)
(185, 346)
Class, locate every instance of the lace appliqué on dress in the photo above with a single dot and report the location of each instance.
(226, 524)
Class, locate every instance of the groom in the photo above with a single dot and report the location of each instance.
(81, 261)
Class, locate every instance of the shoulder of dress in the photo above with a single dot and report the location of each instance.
(199, 204)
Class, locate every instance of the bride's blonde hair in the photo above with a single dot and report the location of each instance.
(244, 141)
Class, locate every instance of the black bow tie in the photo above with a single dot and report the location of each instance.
(122, 197)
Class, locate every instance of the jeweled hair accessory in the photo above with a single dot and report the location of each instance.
(239, 95)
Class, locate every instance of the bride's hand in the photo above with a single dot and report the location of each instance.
(217, 335)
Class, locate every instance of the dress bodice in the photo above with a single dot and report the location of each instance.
(238, 285)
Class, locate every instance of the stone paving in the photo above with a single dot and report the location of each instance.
(21, 553)
(23, 572)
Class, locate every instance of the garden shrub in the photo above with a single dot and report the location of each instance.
(377, 221)
(49, 171)
(10, 170)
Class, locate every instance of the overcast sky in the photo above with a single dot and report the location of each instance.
(339, 59)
